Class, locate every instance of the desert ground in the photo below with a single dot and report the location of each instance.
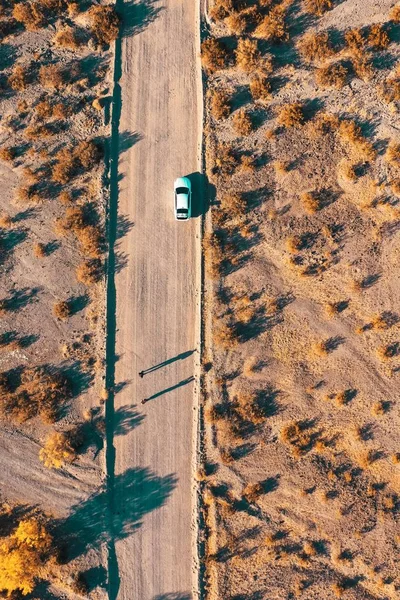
(300, 474)
(55, 78)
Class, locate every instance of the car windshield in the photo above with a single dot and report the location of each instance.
(182, 190)
(182, 211)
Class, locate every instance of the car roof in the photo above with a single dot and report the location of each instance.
(182, 182)
(182, 201)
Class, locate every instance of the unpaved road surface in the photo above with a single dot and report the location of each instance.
(157, 299)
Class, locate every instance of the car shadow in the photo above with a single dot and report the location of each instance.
(203, 193)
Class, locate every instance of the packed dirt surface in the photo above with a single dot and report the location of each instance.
(157, 305)
(51, 316)
(301, 478)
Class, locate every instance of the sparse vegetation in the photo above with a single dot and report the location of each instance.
(318, 7)
(213, 54)
(247, 54)
(315, 47)
(333, 75)
(104, 23)
(242, 122)
(57, 451)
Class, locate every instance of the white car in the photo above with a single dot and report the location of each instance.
(183, 198)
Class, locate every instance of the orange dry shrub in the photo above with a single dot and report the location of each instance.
(393, 154)
(223, 336)
(57, 451)
(7, 153)
(351, 133)
(318, 7)
(355, 41)
(236, 23)
(66, 38)
(89, 272)
(225, 160)
(22, 556)
(247, 54)
(18, 79)
(65, 167)
(362, 66)
(51, 76)
(220, 104)
(260, 87)
(291, 115)
(242, 122)
(315, 47)
(30, 14)
(62, 310)
(390, 89)
(104, 23)
(273, 26)
(213, 55)
(395, 14)
(233, 204)
(377, 37)
(334, 75)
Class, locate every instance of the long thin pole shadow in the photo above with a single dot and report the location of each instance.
(160, 365)
(172, 388)
(111, 323)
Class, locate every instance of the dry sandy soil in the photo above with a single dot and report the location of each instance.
(301, 474)
(33, 279)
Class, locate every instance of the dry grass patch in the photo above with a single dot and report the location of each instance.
(7, 153)
(62, 310)
(18, 80)
(351, 133)
(89, 272)
(30, 14)
(39, 250)
(393, 154)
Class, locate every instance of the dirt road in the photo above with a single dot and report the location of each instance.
(157, 296)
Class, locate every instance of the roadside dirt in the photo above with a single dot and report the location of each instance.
(301, 476)
(38, 269)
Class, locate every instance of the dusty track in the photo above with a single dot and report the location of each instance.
(157, 294)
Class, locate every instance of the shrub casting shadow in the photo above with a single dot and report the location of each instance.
(87, 526)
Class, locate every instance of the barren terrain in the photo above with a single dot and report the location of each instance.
(301, 472)
(55, 83)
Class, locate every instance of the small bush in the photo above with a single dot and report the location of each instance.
(51, 76)
(390, 90)
(332, 76)
(350, 132)
(395, 14)
(377, 37)
(310, 202)
(213, 55)
(242, 122)
(225, 160)
(233, 203)
(315, 47)
(355, 41)
(57, 451)
(318, 7)
(260, 87)
(224, 336)
(393, 154)
(362, 66)
(30, 14)
(220, 104)
(65, 167)
(291, 115)
(104, 23)
(39, 250)
(247, 165)
(66, 38)
(62, 310)
(88, 154)
(273, 26)
(7, 153)
(89, 272)
(247, 54)
(236, 23)
(18, 80)
(252, 491)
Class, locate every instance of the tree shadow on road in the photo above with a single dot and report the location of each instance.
(174, 596)
(136, 16)
(139, 490)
